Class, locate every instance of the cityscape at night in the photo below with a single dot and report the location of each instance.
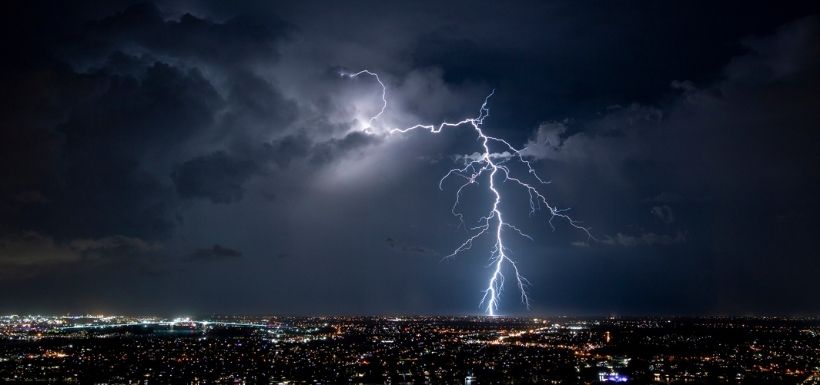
(472, 192)
(395, 350)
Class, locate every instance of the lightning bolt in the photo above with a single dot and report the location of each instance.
(497, 168)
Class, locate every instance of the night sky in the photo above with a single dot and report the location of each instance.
(196, 157)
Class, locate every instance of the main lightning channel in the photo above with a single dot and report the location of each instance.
(496, 166)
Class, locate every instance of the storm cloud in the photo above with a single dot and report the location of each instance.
(132, 133)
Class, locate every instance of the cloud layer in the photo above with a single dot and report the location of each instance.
(138, 138)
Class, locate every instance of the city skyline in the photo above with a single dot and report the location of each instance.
(469, 350)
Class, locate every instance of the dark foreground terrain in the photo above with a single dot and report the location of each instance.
(150, 350)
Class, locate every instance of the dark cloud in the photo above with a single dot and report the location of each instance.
(216, 176)
(731, 157)
(214, 253)
(137, 115)
(409, 248)
(285, 149)
(664, 197)
(664, 213)
(29, 253)
(111, 143)
(242, 38)
(646, 239)
(588, 52)
(112, 134)
(256, 110)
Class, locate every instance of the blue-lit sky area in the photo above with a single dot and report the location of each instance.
(199, 157)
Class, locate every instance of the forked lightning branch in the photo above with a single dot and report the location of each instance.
(496, 167)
